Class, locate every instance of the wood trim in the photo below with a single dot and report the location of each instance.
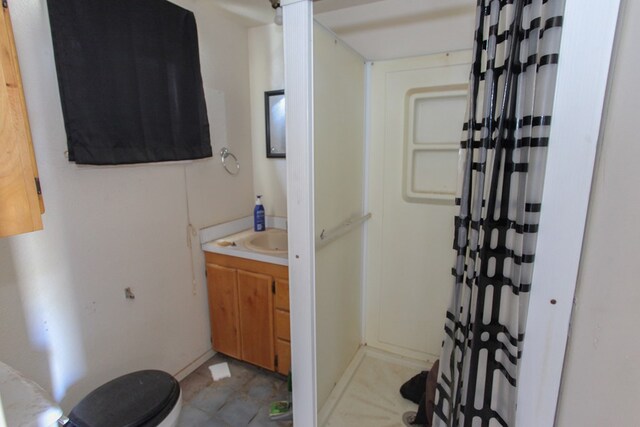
(23, 105)
(21, 206)
(275, 270)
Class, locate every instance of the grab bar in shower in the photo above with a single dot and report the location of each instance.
(328, 236)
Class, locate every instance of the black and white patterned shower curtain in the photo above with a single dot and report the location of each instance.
(501, 174)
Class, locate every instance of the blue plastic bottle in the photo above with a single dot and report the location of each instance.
(258, 215)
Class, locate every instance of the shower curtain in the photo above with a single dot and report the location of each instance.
(501, 174)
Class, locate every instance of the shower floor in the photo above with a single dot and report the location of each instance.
(368, 393)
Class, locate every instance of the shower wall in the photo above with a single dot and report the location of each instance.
(339, 188)
(417, 109)
(418, 66)
(406, 263)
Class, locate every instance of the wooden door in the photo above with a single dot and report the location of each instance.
(255, 300)
(223, 309)
(20, 203)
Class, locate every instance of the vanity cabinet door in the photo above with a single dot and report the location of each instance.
(223, 309)
(255, 300)
(284, 356)
(282, 326)
(282, 295)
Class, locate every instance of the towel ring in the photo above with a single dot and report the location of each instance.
(224, 155)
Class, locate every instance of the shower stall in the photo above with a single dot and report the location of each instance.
(372, 165)
(386, 138)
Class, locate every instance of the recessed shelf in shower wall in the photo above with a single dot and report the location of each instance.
(432, 142)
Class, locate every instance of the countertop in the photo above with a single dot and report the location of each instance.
(237, 231)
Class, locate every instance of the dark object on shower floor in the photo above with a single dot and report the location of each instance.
(426, 402)
(414, 389)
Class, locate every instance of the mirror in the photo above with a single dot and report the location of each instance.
(274, 105)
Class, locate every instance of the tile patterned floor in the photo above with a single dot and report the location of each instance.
(242, 400)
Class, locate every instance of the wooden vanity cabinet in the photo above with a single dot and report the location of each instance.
(249, 310)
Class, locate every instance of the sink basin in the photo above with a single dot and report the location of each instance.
(271, 241)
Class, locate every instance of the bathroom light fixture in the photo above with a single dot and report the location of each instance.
(276, 5)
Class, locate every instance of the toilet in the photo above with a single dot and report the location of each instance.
(148, 398)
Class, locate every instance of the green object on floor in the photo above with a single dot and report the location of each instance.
(279, 407)
(280, 410)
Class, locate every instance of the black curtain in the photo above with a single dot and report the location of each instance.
(130, 82)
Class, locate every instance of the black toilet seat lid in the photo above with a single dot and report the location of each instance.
(142, 398)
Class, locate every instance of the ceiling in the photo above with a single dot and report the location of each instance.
(321, 6)
(259, 12)
(379, 29)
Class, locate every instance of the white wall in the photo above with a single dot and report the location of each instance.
(339, 187)
(64, 320)
(266, 59)
(391, 29)
(601, 380)
(214, 195)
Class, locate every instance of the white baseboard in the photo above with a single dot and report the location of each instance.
(401, 359)
(184, 372)
(340, 387)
